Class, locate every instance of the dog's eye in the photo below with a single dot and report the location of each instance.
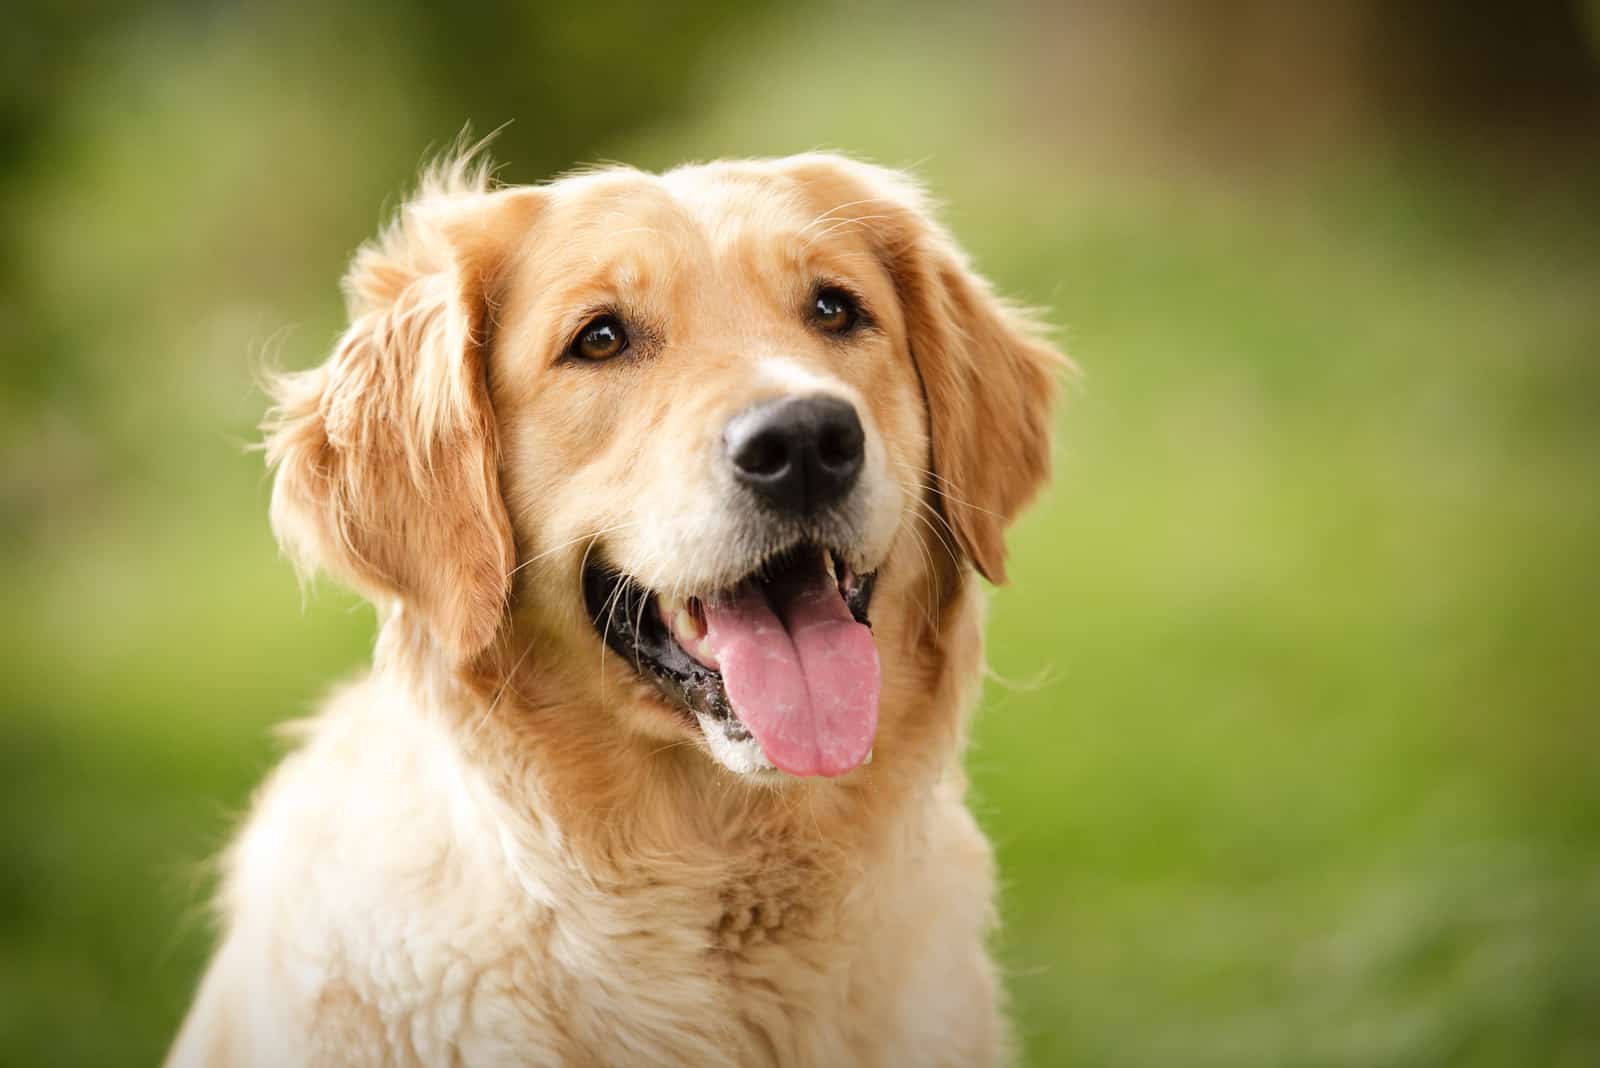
(601, 339)
(835, 311)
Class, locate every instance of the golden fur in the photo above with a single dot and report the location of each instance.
(500, 847)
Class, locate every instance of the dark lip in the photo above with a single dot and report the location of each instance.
(625, 615)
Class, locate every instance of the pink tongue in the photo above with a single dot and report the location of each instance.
(805, 684)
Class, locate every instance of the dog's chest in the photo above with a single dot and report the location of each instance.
(748, 974)
(783, 960)
(745, 974)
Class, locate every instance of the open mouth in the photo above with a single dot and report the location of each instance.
(778, 670)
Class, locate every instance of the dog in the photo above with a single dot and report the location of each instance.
(672, 494)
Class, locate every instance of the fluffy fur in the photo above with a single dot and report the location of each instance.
(501, 846)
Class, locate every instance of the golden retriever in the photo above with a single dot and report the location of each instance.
(670, 492)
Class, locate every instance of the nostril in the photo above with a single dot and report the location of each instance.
(762, 455)
(839, 444)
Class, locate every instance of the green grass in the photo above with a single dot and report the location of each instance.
(1312, 776)
(1290, 753)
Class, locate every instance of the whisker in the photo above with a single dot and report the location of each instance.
(921, 519)
(922, 511)
(638, 624)
(610, 610)
(927, 576)
(505, 684)
(573, 541)
(945, 494)
(828, 215)
(674, 744)
(859, 220)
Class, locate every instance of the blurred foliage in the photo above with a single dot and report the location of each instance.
(1290, 751)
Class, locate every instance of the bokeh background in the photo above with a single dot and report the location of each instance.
(1291, 751)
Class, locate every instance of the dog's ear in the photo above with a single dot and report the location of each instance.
(988, 373)
(386, 454)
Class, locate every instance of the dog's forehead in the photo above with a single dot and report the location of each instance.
(731, 205)
(725, 206)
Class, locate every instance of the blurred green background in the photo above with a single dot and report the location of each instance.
(1291, 752)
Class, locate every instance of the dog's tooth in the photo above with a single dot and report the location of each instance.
(675, 613)
(868, 758)
(704, 653)
(684, 627)
(827, 563)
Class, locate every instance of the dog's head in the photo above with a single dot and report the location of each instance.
(735, 423)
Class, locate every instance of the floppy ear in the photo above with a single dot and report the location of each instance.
(386, 454)
(988, 373)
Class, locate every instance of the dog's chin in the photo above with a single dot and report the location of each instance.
(793, 624)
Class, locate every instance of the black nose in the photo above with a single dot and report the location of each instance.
(799, 454)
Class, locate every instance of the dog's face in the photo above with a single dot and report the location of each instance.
(701, 385)
(721, 422)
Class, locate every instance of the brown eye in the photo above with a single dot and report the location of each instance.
(602, 339)
(835, 311)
